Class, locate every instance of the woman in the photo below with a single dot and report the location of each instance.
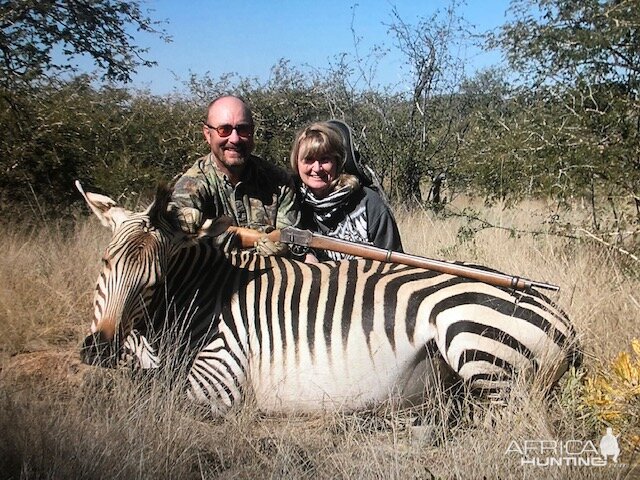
(336, 203)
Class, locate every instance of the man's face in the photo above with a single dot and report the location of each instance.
(232, 151)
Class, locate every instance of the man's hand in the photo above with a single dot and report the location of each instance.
(268, 248)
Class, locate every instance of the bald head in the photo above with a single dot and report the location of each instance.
(229, 102)
(230, 152)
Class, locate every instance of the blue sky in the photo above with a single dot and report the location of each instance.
(250, 37)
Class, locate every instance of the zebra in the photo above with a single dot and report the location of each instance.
(297, 337)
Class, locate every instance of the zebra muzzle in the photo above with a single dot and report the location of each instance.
(98, 351)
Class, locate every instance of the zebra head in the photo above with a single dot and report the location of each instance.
(133, 267)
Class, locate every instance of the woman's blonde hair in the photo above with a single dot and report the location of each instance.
(318, 140)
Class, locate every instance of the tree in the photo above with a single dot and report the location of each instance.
(287, 102)
(563, 41)
(31, 30)
(108, 138)
(408, 131)
(48, 132)
(583, 58)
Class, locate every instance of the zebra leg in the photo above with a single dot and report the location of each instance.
(429, 372)
(486, 375)
(137, 353)
(440, 385)
(487, 365)
(217, 377)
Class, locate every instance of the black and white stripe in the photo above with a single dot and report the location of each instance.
(303, 337)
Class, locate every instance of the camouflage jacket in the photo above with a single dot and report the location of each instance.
(264, 197)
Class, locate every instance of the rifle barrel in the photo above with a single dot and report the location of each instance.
(380, 254)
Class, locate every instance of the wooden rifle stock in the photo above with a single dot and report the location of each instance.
(295, 236)
(247, 237)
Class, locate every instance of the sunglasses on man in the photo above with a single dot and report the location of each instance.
(244, 130)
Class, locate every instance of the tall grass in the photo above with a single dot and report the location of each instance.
(61, 419)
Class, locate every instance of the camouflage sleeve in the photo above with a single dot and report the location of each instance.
(288, 207)
(193, 200)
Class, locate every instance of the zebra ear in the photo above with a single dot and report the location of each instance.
(159, 208)
(214, 227)
(105, 208)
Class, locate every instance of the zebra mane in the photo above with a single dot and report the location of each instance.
(158, 214)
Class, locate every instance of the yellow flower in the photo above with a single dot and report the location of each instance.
(625, 370)
(613, 395)
(610, 416)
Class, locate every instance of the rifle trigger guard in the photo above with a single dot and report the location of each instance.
(295, 236)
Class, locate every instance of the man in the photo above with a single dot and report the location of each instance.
(231, 181)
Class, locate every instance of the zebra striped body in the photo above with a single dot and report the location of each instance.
(305, 337)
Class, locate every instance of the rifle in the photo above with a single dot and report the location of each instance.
(305, 238)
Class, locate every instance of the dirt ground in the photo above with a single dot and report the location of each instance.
(47, 373)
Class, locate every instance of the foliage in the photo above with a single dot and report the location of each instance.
(45, 145)
(579, 63)
(406, 132)
(54, 129)
(613, 396)
(591, 41)
(32, 30)
(285, 104)
(568, 130)
(111, 138)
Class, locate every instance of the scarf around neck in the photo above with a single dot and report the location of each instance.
(325, 209)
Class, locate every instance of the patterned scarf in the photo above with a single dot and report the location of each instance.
(331, 215)
(324, 209)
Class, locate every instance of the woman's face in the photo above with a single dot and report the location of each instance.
(318, 173)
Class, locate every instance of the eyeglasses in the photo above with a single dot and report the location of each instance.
(244, 130)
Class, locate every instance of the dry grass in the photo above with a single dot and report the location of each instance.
(61, 419)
